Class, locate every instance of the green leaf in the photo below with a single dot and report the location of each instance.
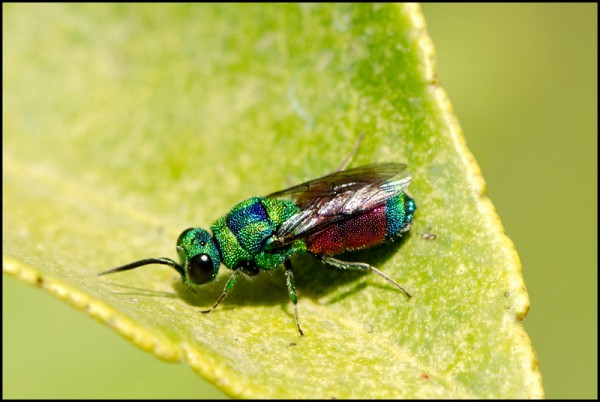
(126, 124)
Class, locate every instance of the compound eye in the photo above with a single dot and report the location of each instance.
(201, 269)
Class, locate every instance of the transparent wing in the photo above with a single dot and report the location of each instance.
(339, 196)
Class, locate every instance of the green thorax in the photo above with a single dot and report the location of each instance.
(243, 233)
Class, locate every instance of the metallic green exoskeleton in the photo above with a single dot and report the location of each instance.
(346, 210)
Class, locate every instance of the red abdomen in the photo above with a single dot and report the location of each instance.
(363, 231)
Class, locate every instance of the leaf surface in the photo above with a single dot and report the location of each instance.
(126, 124)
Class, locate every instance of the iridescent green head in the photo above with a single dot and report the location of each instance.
(199, 258)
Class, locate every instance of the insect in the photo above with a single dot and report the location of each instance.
(347, 210)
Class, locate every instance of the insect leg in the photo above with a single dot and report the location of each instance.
(361, 266)
(349, 158)
(228, 286)
(289, 280)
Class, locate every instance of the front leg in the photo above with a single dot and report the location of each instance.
(228, 286)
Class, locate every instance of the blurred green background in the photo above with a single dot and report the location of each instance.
(523, 81)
